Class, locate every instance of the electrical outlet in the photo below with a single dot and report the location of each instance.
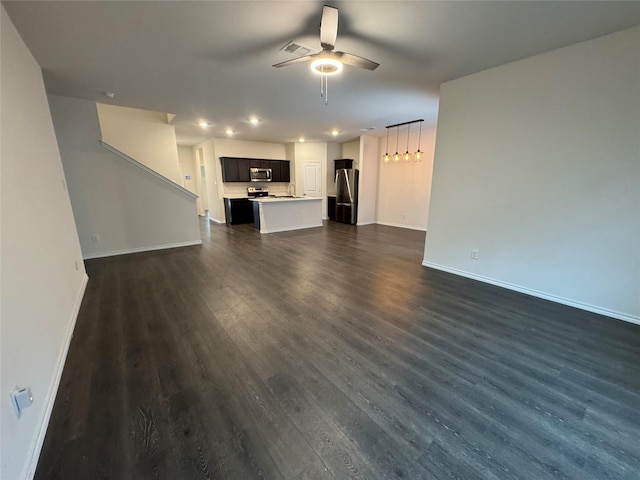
(475, 253)
(21, 398)
(95, 238)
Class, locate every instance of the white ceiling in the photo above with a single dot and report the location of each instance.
(211, 60)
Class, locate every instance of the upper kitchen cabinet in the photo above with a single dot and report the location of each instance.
(285, 174)
(341, 163)
(243, 170)
(229, 169)
(280, 171)
(236, 169)
(275, 170)
(254, 163)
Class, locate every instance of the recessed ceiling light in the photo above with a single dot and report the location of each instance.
(368, 129)
(254, 120)
(301, 139)
(335, 132)
(203, 124)
(229, 132)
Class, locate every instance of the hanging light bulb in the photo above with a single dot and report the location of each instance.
(407, 156)
(418, 154)
(386, 158)
(396, 156)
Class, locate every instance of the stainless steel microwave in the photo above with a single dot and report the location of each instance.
(260, 174)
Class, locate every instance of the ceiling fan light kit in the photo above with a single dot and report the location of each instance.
(406, 157)
(326, 66)
(327, 62)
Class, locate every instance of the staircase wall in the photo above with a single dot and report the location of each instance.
(118, 207)
(142, 134)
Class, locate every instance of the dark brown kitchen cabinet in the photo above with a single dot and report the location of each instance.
(243, 170)
(276, 170)
(254, 163)
(341, 163)
(235, 169)
(331, 207)
(285, 175)
(280, 171)
(229, 169)
(238, 210)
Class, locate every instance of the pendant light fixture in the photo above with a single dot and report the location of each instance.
(396, 156)
(386, 158)
(407, 155)
(418, 155)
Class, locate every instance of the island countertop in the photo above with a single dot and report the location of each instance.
(283, 199)
(280, 214)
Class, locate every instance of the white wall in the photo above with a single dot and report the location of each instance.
(334, 151)
(537, 165)
(368, 186)
(213, 178)
(42, 273)
(143, 135)
(352, 150)
(188, 168)
(404, 189)
(200, 181)
(128, 209)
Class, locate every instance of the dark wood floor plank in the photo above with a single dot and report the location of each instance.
(332, 353)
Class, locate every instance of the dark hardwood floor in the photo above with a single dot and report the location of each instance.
(332, 353)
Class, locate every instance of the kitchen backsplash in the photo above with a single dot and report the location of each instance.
(240, 189)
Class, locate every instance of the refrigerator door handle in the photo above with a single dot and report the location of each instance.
(344, 204)
(349, 190)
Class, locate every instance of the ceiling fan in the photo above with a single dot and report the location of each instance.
(327, 61)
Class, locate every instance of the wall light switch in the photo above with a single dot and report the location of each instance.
(21, 398)
(475, 253)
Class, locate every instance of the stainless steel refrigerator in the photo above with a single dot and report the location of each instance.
(347, 195)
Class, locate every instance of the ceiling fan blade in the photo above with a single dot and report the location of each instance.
(356, 61)
(329, 27)
(306, 58)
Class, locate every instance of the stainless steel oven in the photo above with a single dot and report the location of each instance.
(260, 174)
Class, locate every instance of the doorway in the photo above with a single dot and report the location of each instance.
(203, 202)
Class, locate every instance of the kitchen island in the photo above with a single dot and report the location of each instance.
(281, 214)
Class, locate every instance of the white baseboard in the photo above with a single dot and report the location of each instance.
(536, 293)
(362, 224)
(401, 225)
(142, 249)
(215, 220)
(55, 382)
